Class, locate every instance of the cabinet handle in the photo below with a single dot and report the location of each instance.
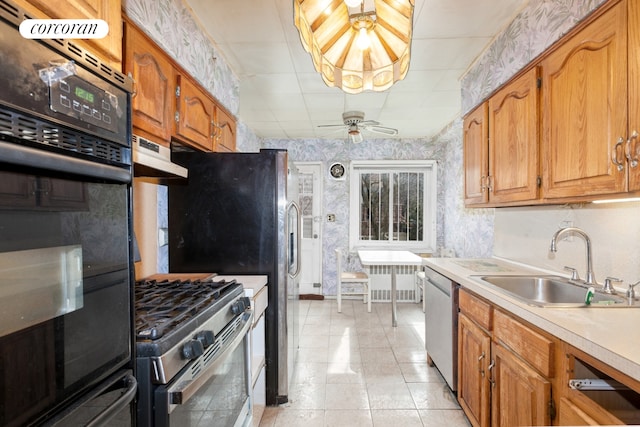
(491, 380)
(614, 155)
(631, 151)
(217, 129)
(482, 186)
(489, 184)
(480, 364)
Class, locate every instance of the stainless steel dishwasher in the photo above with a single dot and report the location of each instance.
(441, 325)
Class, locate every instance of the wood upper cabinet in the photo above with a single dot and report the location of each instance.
(168, 103)
(474, 352)
(153, 101)
(584, 110)
(194, 120)
(108, 48)
(225, 131)
(501, 146)
(633, 147)
(513, 141)
(475, 156)
(520, 396)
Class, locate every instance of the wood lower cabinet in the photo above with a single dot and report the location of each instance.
(153, 101)
(612, 399)
(519, 396)
(108, 48)
(584, 110)
(473, 388)
(501, 381)
(574, 414)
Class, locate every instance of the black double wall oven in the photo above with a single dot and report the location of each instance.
(66, 316)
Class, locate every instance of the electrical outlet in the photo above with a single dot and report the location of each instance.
(331, 218)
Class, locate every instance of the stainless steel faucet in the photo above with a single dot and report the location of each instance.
(590, 279)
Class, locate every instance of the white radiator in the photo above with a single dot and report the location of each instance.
(380, 279)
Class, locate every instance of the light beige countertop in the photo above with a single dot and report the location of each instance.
(611, 335)
(251, 284)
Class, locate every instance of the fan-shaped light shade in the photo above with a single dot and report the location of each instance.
(330, 34)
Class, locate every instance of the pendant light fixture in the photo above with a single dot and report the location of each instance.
(357, 45)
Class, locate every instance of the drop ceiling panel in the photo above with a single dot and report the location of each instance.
(282, 96)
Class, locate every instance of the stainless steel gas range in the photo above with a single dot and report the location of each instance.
(192, 352)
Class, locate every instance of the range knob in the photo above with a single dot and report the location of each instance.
(206, 338)
(240, 305)
(192, 349)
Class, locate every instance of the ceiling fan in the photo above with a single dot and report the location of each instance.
(354, 121)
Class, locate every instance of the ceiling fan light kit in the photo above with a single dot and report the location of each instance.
(357, 45)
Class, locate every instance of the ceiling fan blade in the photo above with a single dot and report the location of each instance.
(369, 123)
(331, 126)
(382, 129)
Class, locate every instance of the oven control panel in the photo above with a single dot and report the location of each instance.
(80, 99)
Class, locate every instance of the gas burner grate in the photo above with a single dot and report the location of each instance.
(162, 306)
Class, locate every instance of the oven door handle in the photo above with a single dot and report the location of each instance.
(103, 418)
(27, 156)
(184, 390)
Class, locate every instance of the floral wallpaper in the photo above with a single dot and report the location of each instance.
(172, 26)
(467, 232)
(537, 27)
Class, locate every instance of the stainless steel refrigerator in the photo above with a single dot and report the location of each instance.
(237, 214)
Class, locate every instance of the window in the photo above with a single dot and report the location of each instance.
(393, 204)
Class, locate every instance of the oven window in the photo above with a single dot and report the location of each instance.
(65, 287)
(221, 400)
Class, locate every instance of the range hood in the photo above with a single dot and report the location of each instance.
(154, 160)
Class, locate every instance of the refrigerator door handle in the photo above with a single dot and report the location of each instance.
(294, 249)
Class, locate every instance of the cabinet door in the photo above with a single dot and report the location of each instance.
(152, 103)
(475, 140)
(634, 92)
(195, 123)
(225, 132)
(474, 347)
(520, 396)
(572, 415)
(513, 141)
(109, 47)
(584, 109)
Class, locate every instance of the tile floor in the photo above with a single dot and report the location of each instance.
(355, 370)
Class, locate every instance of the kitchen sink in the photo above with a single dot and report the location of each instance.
(552, 291)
